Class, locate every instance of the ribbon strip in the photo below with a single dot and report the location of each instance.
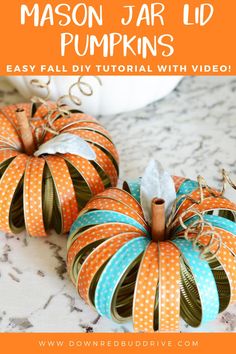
(204, 280)
(98, 233)
(104, 203)
(97, 259)
(65, 190)
(33, 203)
(8, 186)
(146, 289)
(113, 272)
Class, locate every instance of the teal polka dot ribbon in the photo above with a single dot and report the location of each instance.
(187, 187)
(102, 217)
(204, 279)
(134, 187)
(113, 272)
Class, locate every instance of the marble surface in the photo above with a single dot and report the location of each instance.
(192, 131)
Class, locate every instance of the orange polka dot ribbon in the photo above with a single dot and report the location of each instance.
(120, 271)
(10, 112)
(97, 259)
(158, 287)
(9, 138)
(91, 131)
(146, 290)
(87, 171)
(64, 189)
(208, 204)
(8, 186)
(105, 163)
(169, 287)
(33, 208)
(99, 140)
(6, 155)
(178, 182)
(91, 237)
(104, 203)
(48, 191)
(125, 198)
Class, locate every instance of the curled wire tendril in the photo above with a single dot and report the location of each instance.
(199, 228)
(61, 108)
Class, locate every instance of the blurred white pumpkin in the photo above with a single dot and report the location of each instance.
(116, 94)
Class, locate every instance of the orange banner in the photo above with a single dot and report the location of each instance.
(38, 343)
(125, 37)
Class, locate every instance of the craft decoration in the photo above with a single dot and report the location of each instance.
(180, 266)
(53, 159)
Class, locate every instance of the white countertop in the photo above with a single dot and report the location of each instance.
(192, 131)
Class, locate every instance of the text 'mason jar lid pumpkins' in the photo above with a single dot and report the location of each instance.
(52, 161)
(155, 260)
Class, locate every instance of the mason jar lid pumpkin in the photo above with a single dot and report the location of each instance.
(53, 159)
(169, 257)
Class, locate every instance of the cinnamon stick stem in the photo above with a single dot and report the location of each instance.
(25, 131)
(158, 219)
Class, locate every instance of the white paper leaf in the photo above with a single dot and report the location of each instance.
(67, 143)
(156, 183)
